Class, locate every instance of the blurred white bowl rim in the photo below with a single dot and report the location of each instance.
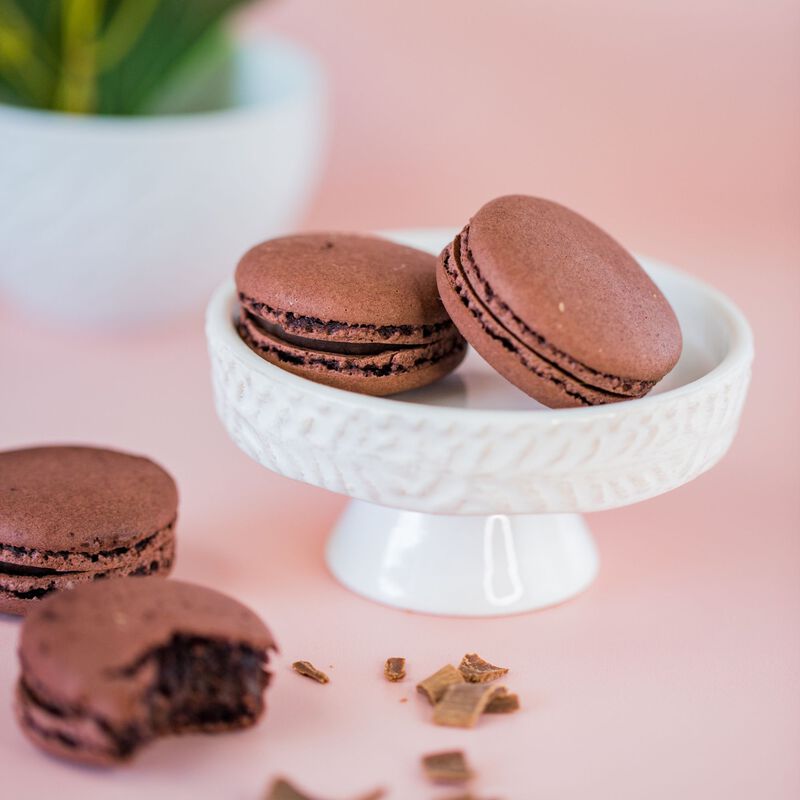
(122, 221)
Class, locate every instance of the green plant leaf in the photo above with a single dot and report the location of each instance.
(115, 56)
(202, 80)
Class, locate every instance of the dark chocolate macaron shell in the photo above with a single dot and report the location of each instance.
(112, 665)
(74, 514)
(556, 305)
(354, 312)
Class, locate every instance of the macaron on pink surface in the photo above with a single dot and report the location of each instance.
(355, 312)
(71, 514)
(111, 665)
(556, 305)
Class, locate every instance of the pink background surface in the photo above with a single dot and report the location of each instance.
(675, 126)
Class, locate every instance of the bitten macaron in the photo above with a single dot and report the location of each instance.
(355, 312)
(73, 514)
(556, 305)
(112, 665)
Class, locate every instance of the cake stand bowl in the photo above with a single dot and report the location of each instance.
(467, 495)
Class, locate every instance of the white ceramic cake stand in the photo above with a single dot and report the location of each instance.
(467, 493)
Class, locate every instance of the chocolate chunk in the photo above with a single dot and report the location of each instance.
(502, 702)
(394, 669)
(477, 670)
(308, 670)
(434, 686)
(462, 704)
(447, 767)
(281, 789)
(466, 796)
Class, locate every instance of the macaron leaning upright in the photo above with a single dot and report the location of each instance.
(70, 515)
(355, 312)
(556, 305)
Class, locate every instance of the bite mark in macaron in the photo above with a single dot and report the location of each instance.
(110, 666)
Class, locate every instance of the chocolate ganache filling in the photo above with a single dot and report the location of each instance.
(326, 345)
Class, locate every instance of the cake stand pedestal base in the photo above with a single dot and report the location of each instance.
(478, 566)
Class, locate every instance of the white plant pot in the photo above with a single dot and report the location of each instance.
(121, 221)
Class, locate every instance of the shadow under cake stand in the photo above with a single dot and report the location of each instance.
(467, 494)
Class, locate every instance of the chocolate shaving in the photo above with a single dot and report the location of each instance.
(462, 704)
(283, 790)
(477, 670)
(308, 670)
(435, 686)
(467, 796)
(394, 669)
(447, 767)
(502, 702)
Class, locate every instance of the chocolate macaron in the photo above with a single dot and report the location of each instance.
(556, 305)
(355, 312)
(74, 514)
(112, 665)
